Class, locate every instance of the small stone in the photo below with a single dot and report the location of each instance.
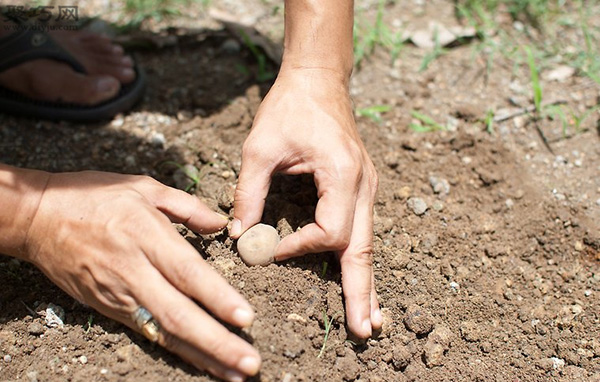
(439, 185)
(125, 353)
(258, 244)
(587, 293)
(598, 202)
(509, 203)
(230, 46)
(35, 328)
(103, 371)
(55, 316)
(83, 359)
(287, 377)
(226, 196)
(405, 192)
(158, 139)
(559, 74)
(418, 320)
(455, 286)
(296, 317)
(417, 205)
(7, 358)
(437, 206)
(130, 161)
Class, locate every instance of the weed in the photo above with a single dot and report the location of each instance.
(327, 322)
(373, 112)
(489, 122)
(426, 124)
(368, 37)
(261, 59)
(90, 320)
(193, 174)
(535, 82)
(324, 269)
(141, 10)
(434, 54)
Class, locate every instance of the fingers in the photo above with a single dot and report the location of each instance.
(251, 191)
(191, 333)
(362, 308)
(334, 218)
(179, 263)
(182, 207)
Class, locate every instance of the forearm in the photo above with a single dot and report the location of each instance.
(20, 193)
(318, 34)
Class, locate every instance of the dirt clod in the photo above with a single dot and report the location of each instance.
(418, 320)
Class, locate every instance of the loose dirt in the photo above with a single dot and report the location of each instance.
(498, 280)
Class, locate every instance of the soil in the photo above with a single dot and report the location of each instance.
(498, 280)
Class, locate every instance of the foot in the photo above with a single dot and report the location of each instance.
(106, 65)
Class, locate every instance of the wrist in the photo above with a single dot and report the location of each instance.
(21, 191)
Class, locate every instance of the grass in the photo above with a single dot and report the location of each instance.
(90, 320)
(194, 176)
(426, 123)
(373, 112)
(367, 37)
(327, 322)
(138, 11)
(535, 82)
(263, 73)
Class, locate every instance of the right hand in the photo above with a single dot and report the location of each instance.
(107, 240)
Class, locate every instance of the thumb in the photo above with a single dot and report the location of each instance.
(250, 194)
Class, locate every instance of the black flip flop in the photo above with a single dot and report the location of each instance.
(27, 45)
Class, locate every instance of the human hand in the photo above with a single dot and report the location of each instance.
(107, 240)
(305, 125)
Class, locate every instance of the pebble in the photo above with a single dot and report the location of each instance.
(455, 286)
(35, 328)
(296, 317)
(258, 244)
(83, 359)
(598, 202)
(55, 316)
(417, 205)
(418, 320)
(587, 293)
(158, 139)
(439, 185)
(404, 193)
(230, 46)
(509, 203)
(437, 206)
(7, 358)
(32, 376)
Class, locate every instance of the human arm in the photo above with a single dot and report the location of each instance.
(107, 240)
(305, 125)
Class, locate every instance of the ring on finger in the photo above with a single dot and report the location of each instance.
(149, 327)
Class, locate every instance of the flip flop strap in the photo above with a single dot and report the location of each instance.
(27, 45)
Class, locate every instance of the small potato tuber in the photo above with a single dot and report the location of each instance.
(257, 245)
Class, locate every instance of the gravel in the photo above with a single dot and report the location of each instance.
(417, 205)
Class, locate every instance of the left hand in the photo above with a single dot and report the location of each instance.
(306, 125)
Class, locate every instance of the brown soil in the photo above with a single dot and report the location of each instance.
(499, 280)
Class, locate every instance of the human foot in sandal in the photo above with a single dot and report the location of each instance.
(66, 68)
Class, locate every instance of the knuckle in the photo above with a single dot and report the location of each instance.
(185, 273)
(172, 321)
(337, 238)
(361, 256)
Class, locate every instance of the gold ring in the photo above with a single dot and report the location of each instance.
(149, 327)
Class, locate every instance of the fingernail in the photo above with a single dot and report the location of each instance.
(377, 317)
(366, 327)
(234, 376)
(236, 228)
(249, 365)
(106, 85)
(243, 317)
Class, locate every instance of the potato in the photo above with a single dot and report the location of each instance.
(258, 244)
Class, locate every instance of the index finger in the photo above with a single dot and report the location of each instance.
(334, 218)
